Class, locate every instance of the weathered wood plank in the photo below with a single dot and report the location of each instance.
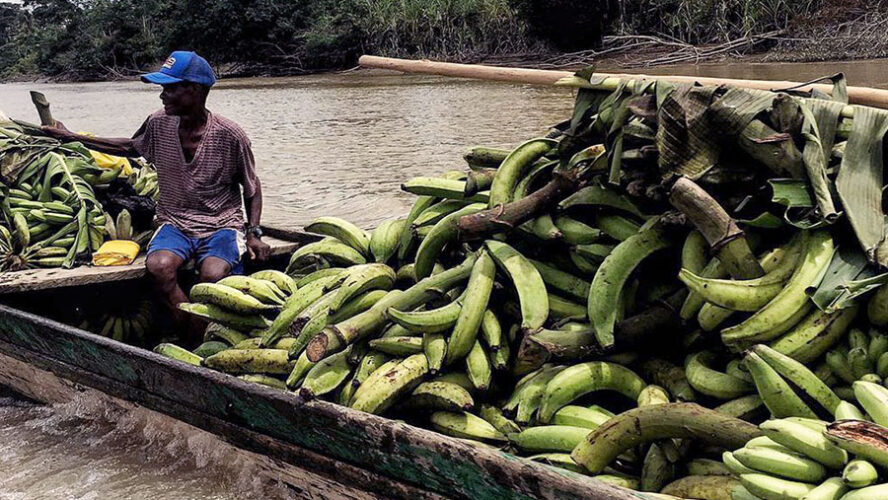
(317, 476)
(414, 456)
(42, 279)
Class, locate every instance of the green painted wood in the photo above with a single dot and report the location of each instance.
(405, 453)
(21, 368)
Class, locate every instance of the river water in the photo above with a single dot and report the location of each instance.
(336, 144)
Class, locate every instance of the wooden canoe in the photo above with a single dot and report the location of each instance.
(330, 451)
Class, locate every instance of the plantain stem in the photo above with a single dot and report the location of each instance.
(505, 217)
(719, 229)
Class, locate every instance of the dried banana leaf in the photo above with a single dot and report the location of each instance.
(685, 135)
(859, 183)
(821, 119)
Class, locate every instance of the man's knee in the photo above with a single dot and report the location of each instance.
(213, 269)
(162, 265)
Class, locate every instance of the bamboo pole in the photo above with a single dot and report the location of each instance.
(856, 95)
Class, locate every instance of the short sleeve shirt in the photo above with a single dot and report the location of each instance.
(202, 196)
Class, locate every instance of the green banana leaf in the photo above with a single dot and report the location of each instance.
(801, 208)
(59, 172)
(847, 277)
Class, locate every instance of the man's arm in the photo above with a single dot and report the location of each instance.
(112, 146)
(253, 205)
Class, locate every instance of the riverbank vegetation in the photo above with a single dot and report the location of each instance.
(98, 39)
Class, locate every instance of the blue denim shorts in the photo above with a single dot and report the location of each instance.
(225, 244)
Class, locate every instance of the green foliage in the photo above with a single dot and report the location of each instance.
(93, 39)
(88, 39)
(703, 21)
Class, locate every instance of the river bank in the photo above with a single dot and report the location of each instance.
(280, 38)
(761, 64)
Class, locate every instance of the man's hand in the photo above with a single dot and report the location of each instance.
(257, 249)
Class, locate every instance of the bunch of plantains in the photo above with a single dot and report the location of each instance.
(626, 297)
(128, 323)
(798, 457)
(49, 214)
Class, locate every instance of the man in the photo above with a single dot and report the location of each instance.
(202, 161)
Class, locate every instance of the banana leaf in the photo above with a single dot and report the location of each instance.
(622, 115)
(801, 207)
(848, 276)
(860, 180)
(59, 173)
(821, 119)
(582, 128)
(685, 135)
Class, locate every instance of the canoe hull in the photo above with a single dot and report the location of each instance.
(366, 452)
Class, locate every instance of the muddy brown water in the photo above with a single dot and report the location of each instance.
(336, 144)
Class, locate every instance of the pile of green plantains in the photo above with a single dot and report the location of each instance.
(50, 214)
(626, 297)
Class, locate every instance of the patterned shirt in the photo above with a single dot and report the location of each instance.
(202, 196)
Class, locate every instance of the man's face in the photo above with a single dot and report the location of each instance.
(180, 98)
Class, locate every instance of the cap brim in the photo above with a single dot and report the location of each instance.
(160, 78)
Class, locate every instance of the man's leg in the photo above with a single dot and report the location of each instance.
(218, 254)
(213, 269)
(162, 267)
(167, 251)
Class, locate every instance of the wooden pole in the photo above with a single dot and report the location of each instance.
(857, 95)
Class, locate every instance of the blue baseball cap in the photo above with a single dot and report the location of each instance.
(183, 66)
